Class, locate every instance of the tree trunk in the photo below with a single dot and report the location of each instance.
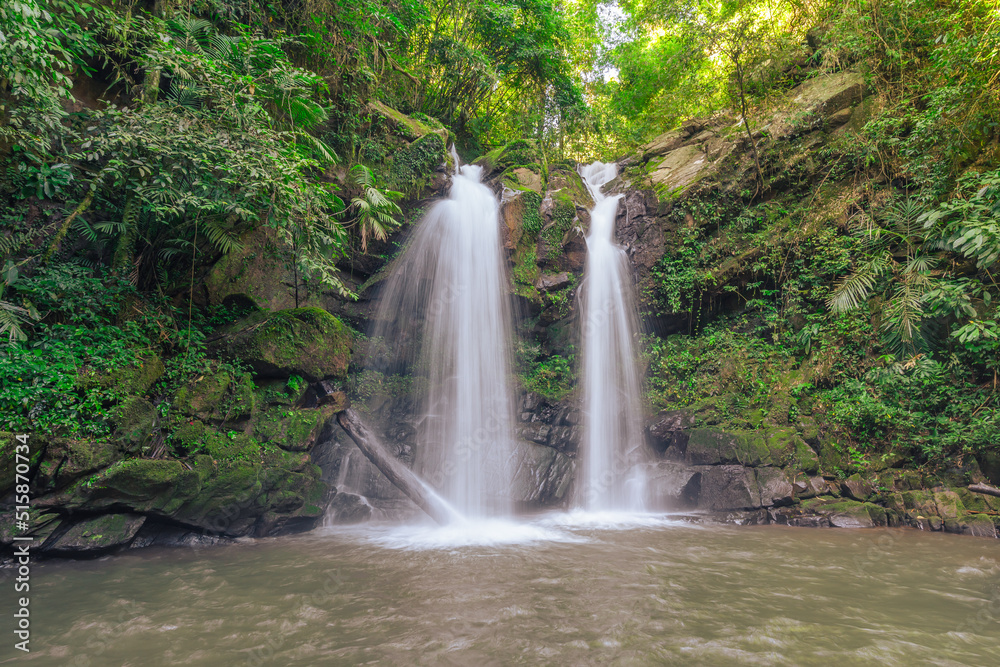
(985, 489)
(746, 123)
(396, 472)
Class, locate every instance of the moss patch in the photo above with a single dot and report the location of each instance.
(308, 342)
(411, 167)
(294, 430)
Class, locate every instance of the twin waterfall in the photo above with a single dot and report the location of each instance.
(612, 408)
(446, 316)
(444, 319)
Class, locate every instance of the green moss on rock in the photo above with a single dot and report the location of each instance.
(202, 398)
(98, 534)
(773, 447)
(66, 460)
(135, 419)
(308, 342)
(294, 430)
(411, 166)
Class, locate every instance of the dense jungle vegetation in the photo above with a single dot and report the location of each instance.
(140, 140)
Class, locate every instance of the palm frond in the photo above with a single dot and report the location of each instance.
(320, 147)
(904, 218)
(306, 113)
(854, 290)
(12, 321)
(221, 237)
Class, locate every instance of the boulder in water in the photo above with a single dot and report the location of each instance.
(350, 508)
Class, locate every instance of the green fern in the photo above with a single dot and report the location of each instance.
(375, 209)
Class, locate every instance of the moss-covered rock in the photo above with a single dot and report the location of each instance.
(517, 153)
(65, 460)
(843, 514)
(133, 380)
(260, 274)
(412, 167)
(203, 397)
(97, 535)
(774, 447)
(409, 127)
(294, 430)
(308, 342)
(196, 437)
(978, 525)
(220, 396)
(135, 421)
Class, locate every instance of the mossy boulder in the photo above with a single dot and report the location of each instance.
(196, 437)
(135, 421)
(65, 460)
(134, 380)
(202, 397)
(294, 430)
(773, 447)
(279, 391)
(308, 342)
(978, 525)
(517, 153)
(407, 127)
(844, 513)
(150, 485)
(260, 275)
(132, 485)
(97, 535)
(413, 167)
(220, 396)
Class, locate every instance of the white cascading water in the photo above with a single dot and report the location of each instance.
(447, 296)
(612, 478)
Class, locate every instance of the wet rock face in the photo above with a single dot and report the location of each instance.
(770, 475)
(349, 508)
(554, 424)
(93, 537)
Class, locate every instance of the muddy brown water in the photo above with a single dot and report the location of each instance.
(559, 590)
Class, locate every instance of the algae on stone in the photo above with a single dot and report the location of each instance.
(309, 342)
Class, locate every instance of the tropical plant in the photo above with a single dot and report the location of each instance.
(897, 267)
(373, 209)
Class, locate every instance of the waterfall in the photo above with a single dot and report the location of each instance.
(447, 300)
(613, 439)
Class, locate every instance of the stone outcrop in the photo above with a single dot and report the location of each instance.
(773, 475)
(308, 342)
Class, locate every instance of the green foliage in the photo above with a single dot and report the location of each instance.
(63, 380)
(905, 282)
(73, 294)
(32, 70)
(374, 209)
(553, 377)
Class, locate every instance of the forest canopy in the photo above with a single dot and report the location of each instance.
(142, 140)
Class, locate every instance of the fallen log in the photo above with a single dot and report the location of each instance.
(396, 472)
(985, 489)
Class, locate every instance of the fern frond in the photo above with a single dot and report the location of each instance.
(306, 113)
(223, 239)
(318, 146)
(852, 291)
(12, 321)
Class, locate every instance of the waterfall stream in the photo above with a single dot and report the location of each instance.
(613, 438)
(447, 300)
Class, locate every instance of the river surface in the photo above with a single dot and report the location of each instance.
(559, 590)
